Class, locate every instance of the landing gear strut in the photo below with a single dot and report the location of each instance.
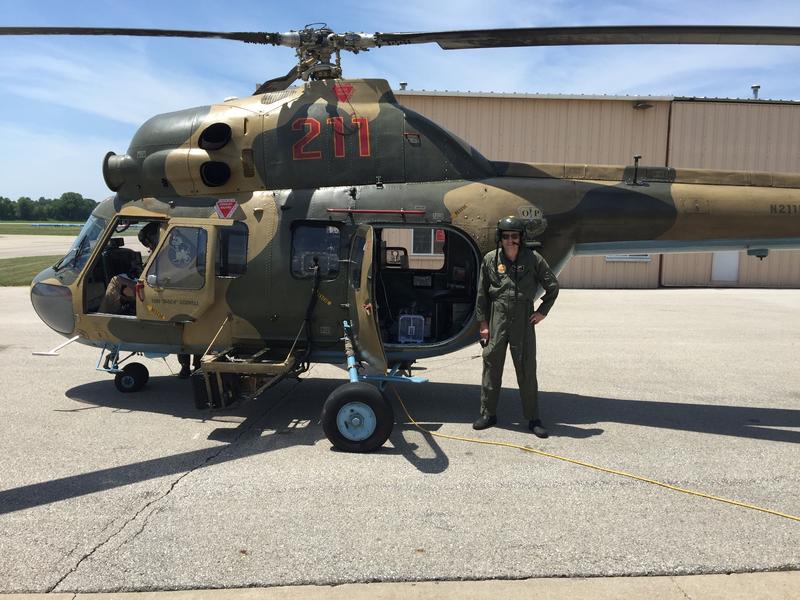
(356, 417)
(128, 379)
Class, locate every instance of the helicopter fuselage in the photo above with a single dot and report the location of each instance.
(260, 202)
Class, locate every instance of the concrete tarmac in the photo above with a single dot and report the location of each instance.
(13, 246)
(746, 586)
(104, 492)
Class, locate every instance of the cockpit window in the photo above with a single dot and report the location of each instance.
(83, 245)
(181, 262)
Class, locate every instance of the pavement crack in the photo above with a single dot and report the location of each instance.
(680, 589)
(172, 486)
(207, 460)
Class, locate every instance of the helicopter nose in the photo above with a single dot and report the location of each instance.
(53, 303)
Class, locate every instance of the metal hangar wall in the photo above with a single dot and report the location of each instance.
(757, 135)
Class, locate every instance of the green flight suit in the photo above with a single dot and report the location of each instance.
(506, 291)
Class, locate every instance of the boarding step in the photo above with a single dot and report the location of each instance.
(239, 374)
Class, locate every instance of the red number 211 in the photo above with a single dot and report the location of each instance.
(312, 127)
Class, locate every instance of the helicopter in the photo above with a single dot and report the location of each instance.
(283, 221)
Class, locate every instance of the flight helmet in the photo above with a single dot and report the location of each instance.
(510, 223)
(148, 235)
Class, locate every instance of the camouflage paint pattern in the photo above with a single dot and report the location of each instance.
(347, 144)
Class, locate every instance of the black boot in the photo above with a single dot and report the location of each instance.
(537, 428)
(186, 370)
(484, 422)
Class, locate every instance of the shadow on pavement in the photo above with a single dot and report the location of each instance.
(288, 416)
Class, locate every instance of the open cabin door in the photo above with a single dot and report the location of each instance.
(178, 283)
(360, 290)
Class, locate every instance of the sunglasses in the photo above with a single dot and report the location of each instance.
(510, 236)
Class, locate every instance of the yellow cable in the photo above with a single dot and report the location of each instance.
(595, 467)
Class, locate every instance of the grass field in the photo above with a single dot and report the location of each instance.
(20, 271)
(20, 228)
(15, 228)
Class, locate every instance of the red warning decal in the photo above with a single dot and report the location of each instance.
(343, 91)
(226, 208)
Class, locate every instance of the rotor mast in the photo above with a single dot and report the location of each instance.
(319, 49)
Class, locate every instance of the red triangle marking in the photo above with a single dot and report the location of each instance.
(343, 91)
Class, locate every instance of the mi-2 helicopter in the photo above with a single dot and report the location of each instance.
(283, 221)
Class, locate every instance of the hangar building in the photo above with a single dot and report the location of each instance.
(705, 133)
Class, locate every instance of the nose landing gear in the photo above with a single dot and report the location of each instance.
(132, 378)
(128, 379)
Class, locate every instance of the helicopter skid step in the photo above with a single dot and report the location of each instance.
(231, 376)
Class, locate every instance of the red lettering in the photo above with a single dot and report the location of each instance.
(338, 136)
(298, 149)
(363, 135)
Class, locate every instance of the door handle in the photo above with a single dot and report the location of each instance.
(152, 281)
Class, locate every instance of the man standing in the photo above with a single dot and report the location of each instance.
(507, 285)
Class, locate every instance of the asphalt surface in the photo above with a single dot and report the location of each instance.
(698, 388)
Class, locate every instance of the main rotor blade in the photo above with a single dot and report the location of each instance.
(587, 36)
(242, 36)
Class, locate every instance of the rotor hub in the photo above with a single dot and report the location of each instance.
(319, 49)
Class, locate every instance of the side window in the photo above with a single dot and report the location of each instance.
(181, 263)
(315, 244)
(231, 251)
(424, 246)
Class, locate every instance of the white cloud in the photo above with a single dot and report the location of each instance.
(120, 84)
(709, 71)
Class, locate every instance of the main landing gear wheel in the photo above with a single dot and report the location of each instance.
(133, 378)
(357, 418)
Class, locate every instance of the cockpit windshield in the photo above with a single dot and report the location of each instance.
(83, 245)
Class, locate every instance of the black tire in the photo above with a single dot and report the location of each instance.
(132, 379)
(357, 402)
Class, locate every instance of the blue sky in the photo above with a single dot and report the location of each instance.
(64, 102)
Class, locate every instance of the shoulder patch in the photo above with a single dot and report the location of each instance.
(501, 268)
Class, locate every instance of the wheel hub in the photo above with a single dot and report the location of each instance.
(356, 421)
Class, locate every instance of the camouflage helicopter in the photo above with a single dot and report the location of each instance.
(282, 218)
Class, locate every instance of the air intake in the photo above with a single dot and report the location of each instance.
(215, 173)
(215, 136)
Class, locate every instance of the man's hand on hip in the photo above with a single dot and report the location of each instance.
(537, 318)
(484, 332)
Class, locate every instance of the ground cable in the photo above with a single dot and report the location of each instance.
(595, 467)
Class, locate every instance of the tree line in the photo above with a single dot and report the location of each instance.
(70, 206)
